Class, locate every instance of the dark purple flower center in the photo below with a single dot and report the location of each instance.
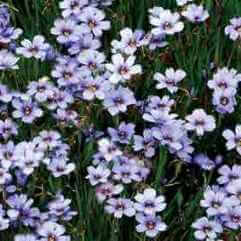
(92, 23)
(34, 50)
(231, 176)
(6, 129)
(66, 32)
(196, 18)
(60, 98)
(111, 149)
(74, 5)
(170, 82)
(93, 87)
(156, 40)
(139, 174)
(199, 122)
(160, 105)
(59, 169)
(122, 134)
(29, 163)
(106, 191)
(92, 65)
(60, 210)
(47, 139)
(207, 229)
(123, 70)
(150, 225)
(8, 155)
(97, 177)
(216, 204)
(149, 204)
(67, 75)
(224, 100)
(119, 101)
(27, 110)
(168, 138)
(52, 237)
(167, 25)
(236, 219)
(119, 206)
(132, 43)
(41, 89)
(126, 174)
(238, 29)
(238, 143)
(222, 84)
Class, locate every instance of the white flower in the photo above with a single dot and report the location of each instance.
(182, 2)
(108, 149)
(170, 79)
(166, 22)
(37, 48)
(195, 13)
(122, 69)
(200, 122)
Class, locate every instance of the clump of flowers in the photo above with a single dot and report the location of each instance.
(122, 69)
(233, 139)
(200, 122)
(170, 79)
(234, 29)
(165, 22)
(195, 13)
(224, 85)
(21, 159)
(112, 169)
(37, 48)
(222, 205)
(8, 36)
(41, 125)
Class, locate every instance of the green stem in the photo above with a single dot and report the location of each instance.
(160, 167)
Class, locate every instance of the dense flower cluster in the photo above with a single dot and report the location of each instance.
(233, 30)
(113, 168)
(222, 204)
(224, 85)
(19, 158)
(8, 36)
(82, 72)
